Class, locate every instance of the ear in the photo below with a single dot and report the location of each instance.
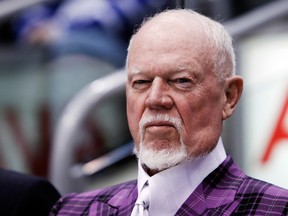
(233, 91)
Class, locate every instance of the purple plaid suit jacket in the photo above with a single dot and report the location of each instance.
(225, 191)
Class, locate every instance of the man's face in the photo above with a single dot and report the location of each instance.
(170, 77)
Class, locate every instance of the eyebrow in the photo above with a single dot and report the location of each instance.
(134, 71)
(182, 69)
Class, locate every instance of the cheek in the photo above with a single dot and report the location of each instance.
(203, 126)
(199, 115)
(133, 116)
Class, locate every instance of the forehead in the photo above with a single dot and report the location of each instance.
(166, 48)
(169, 37)
(168, 65)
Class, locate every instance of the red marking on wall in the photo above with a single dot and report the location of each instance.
(280, 132)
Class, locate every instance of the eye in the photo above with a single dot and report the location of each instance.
(140, 84)
(182, 80)
(182, 83)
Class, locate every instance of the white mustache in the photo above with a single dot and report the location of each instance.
(176, 122)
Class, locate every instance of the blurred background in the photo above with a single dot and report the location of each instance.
(62, 98)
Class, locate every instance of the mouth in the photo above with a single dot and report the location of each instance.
(159, 124)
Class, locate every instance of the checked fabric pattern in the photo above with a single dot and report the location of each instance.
(225, 191)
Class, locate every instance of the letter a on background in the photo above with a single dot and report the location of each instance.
(280, 132)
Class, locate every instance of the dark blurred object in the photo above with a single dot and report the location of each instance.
(6, 33)
(240, 7)
(9, 10)
(22, 194)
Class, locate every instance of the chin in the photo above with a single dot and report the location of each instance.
(163, 158)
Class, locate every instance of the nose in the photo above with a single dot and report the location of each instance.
(159, 96)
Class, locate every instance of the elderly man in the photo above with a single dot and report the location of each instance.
(181, 86)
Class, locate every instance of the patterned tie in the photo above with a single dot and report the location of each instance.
(142, 203)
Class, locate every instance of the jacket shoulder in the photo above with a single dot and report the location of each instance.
(257, 195)
(250, 195)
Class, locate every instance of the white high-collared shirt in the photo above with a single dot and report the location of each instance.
(170, 188)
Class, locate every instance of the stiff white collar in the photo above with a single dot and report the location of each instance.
(170, 188)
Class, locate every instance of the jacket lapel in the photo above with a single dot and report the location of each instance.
(216, 192)
(120, 202)
(124, 200)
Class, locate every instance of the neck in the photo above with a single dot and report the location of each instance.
(149, 171)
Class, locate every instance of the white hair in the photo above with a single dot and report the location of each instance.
(161, 159)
